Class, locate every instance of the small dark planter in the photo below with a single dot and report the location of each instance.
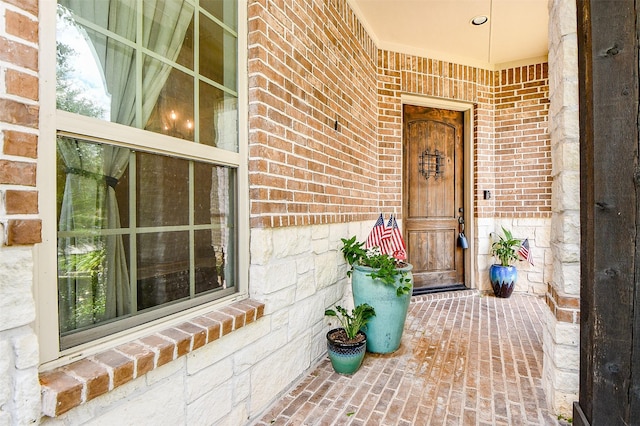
(503, 279)
(346, 357)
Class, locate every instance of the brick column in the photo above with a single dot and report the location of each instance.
(561, 333)
(19, 222)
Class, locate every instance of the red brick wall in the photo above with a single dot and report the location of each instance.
(311, 64)
(523, 143)
(19, 111)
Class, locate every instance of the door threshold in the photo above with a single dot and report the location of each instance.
(438, 289)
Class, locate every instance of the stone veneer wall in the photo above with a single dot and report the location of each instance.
(310, 65)
(562, 325)
(19, 222)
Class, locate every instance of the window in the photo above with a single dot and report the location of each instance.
(147, 218)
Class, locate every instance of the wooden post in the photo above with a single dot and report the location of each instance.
(609, 184)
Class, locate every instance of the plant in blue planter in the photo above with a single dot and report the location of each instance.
(503, 275)
(347, 344)
(385, 283)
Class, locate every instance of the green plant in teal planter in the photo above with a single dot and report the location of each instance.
(385, 283)
(347, 344)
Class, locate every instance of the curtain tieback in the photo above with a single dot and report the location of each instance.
(108, 180)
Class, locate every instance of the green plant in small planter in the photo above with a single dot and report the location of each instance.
(354, 322)
(503, 275)
(385, 283)
(347, 345)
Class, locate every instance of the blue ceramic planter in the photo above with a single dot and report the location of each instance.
(503, 279)
(346, 358)
(384, 331)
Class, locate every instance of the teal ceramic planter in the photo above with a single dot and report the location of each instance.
(384, 331)
(503, 279)
(346, 358)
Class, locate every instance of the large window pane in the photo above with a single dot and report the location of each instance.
(218, 118)
(80, 83)
(221, 65)
(224, 10)
(114, 261)
(163, 190)
(173, 112)
(163, 268)
(162, 21)
(102, 76)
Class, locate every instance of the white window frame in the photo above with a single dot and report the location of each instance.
(45, 254)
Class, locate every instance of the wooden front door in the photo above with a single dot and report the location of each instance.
(433, 195)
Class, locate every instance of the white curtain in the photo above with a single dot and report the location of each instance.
(165, 24)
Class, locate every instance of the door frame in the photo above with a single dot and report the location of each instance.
(467, 108)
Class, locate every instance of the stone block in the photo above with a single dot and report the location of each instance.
(25, 348)
(159, 374)
(291, 241)
(566, 277)
(26, 397)
(337, 231)
(274, 276)
(319, 246)
(542, 236)
(325, 266)
(561, 333)
(261, 246)
(304, 263)
(6, 372)
(567, 358)
(251, 354)
(320, 232)
(306, 286)
(5, 418)
(279, 319)
(17, 306)
(213, 406)
(158, 405)
(238, 415)
(290, 362)
(564, 12)
(207, 379)
(277, 300)
(241, 387)
(303, 315)
(566, 188)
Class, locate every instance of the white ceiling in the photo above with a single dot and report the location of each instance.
(516, 33)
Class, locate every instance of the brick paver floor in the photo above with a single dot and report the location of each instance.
(465, 359)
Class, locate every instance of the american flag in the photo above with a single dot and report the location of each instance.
(399, 250)
(380, 236)
(525, 252)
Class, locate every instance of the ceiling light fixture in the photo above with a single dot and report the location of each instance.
(479, 20)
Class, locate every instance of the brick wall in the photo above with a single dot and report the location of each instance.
(311, 68)
(522, 142)
(326, 69)
(19, 117)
